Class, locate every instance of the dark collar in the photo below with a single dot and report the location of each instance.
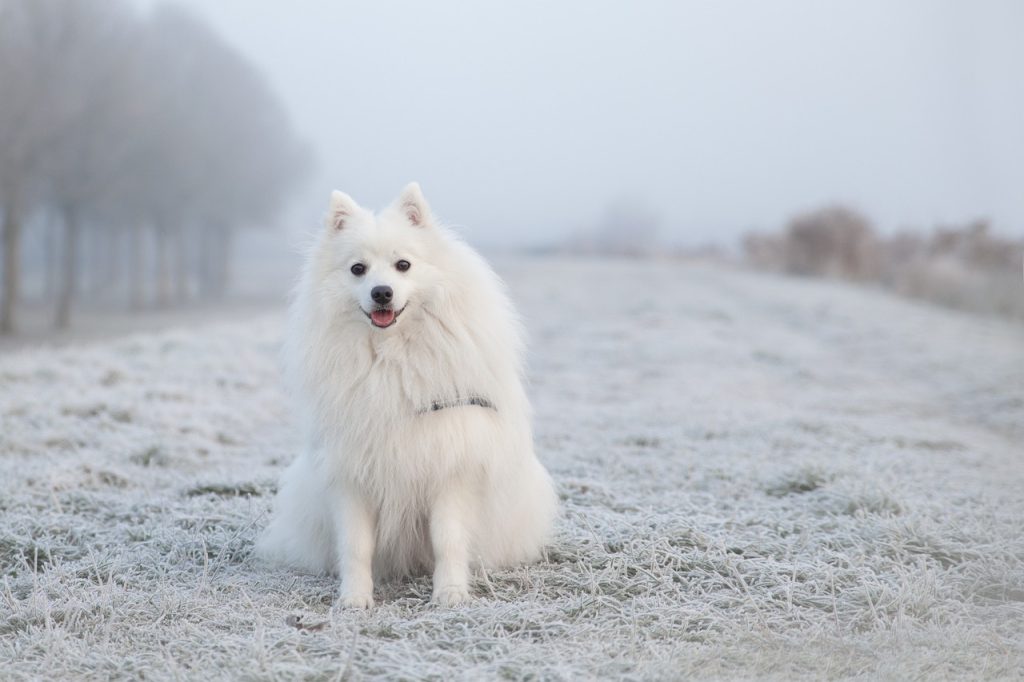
(438, 405)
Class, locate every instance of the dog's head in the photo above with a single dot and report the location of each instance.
(378, 265)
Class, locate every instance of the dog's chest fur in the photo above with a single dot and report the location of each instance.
(390, 440)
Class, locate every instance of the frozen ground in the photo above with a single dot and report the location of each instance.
(761, 478)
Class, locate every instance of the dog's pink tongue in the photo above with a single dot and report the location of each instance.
(382, 318)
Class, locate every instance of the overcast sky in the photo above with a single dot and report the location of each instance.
(523, 120)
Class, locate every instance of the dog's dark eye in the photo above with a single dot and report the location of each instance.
(358, 269)
(403, 265)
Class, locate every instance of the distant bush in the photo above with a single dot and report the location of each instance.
(831, 242)
(966, 267)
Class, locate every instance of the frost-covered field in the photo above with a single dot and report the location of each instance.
(761, 478)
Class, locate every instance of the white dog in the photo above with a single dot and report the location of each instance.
(406, 358)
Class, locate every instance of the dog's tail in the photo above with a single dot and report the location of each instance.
(301, 532)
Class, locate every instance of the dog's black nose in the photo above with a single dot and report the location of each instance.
(381, 295)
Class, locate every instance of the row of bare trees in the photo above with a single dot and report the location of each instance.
(143, 136)
(965, 266)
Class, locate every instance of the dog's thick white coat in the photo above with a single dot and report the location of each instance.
(385, 486)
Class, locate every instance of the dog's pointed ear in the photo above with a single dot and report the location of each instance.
(342, 208)
(413, 206)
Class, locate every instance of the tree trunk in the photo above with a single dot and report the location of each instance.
(114, 272)
(50, 268)
(226, 253)
(207, 256)
(163, 270)
(180, 266)
(12, 265)
(98, 263)
(135, 293)
(217, 261)
(68, 271)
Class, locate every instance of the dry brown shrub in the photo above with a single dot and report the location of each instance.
(966, 267)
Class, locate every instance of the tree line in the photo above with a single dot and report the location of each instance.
(140, 140)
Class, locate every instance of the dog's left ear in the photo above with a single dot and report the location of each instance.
(413, 205)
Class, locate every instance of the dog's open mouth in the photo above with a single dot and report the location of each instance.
(383, 317)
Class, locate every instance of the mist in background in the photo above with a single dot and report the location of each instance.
(159, 155)
(525, 121)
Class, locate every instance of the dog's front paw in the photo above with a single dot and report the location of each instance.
(357, 600)
(450, 595)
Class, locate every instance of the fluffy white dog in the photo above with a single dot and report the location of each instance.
(405, 355)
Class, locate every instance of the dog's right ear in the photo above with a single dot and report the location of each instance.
(341, 210)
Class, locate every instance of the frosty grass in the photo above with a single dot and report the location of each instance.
(760, 477)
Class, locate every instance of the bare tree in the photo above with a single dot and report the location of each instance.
(28, 39)
(54, 62)
(227, 156)
(85, 169)
(117, 124)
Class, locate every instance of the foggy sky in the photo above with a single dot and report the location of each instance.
(524, 120)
